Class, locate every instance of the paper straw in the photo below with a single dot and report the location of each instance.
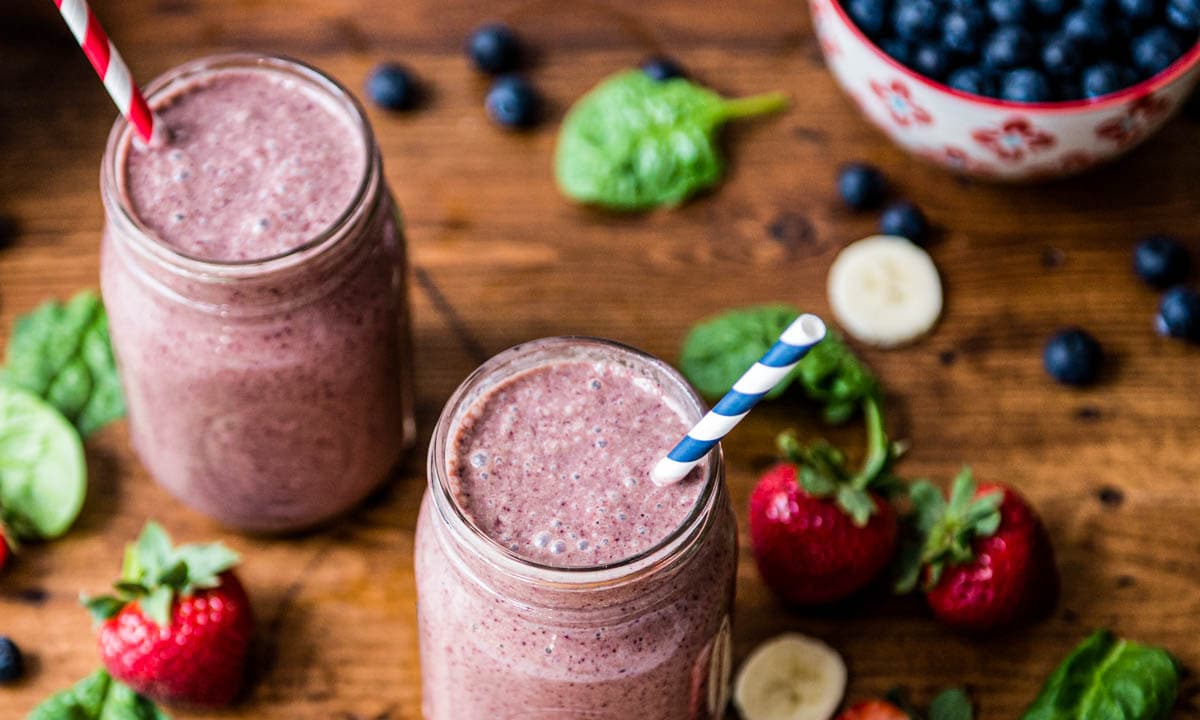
(109, 65)
(795, 342)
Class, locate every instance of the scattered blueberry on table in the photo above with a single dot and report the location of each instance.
(12, 666)
(494, 49)
(1179, 314)
(391, 86)
(861, 186)
(1032, 50)
(8, 231)
(1161, 261)
(512, 102)
(906, 220)
(1073, 357)
(662, 68)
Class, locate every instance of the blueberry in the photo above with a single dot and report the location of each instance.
(861, 186)
(1179, 314)
(1087, 28)
(915, 19)
(661, 68)
(1161, 261)
(8, 231)
(494, 48)
(1025, 85)
(1184, 14)
(1154, 50)
(1006, 12)
(1099, 7)
(512, 101)
(1049, 9)
(897, 49)
(972, 80)
(1073, 357)
(961, 30)
(932, 61)
(1100, 79)
(12, 666)
(869, 15)
(1008, 47)
(906, 220)
(1060, 57)
(392, 86)
(1139, 10)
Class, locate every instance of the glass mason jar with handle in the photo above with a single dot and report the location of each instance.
(254, 275)
(512, 626)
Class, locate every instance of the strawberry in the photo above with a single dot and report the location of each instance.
(984, 555)
(820, 532)
(873, 710)
(4, 551)
(178, 628)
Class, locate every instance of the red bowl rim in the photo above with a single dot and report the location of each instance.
(1145, 87)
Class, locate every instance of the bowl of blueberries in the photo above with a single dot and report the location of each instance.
(1016, 90)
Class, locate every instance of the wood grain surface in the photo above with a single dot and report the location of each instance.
(500, 258)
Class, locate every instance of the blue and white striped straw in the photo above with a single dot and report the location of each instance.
(795, 342)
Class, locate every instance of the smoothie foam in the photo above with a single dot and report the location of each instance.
(555, 464)
(257, 165)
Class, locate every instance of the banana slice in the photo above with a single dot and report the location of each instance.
(885, 291)
(792, 677)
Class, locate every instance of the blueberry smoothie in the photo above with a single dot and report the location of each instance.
(254, 274)
(555, 579)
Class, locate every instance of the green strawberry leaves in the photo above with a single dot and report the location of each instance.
(1106, 677)
(717, 351)
(61, 352)
(941, 532)
(822, 470)
(952, 704)
(97, 697)
(633, 143)
(155, 573)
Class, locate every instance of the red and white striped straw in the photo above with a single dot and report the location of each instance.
(109, 65)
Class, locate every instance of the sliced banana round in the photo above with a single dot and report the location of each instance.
(792, 677)
(885, 291)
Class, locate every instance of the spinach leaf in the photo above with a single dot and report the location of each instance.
(97, 697)
(1106, 678)
(717, 351)
(634, 143)
(62, 353)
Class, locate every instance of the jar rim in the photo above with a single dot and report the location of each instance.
(661, 555)
(117, 202)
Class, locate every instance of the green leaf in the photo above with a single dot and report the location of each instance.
(43, 476)
(152, 553)
(633, 143)
(832, 375)
(856, 503)
(952, 704)
(721, 349)
(1105, 678)
(61, 352)
(205, 563)
(816, 484)
(102, 607)
(156, 604)
(97, 697)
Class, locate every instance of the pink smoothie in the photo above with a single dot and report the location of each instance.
(553, 464)
(269, 396)
(257, 165)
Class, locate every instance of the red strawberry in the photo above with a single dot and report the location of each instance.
(985, 558)
(4, 553)
(179, 627)
(820, 532)
(873, 710)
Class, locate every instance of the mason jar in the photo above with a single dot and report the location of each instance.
(269, 393)
(504, 637)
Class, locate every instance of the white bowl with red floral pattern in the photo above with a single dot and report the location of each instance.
(988, 138)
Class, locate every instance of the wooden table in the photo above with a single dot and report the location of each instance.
(499, 258)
